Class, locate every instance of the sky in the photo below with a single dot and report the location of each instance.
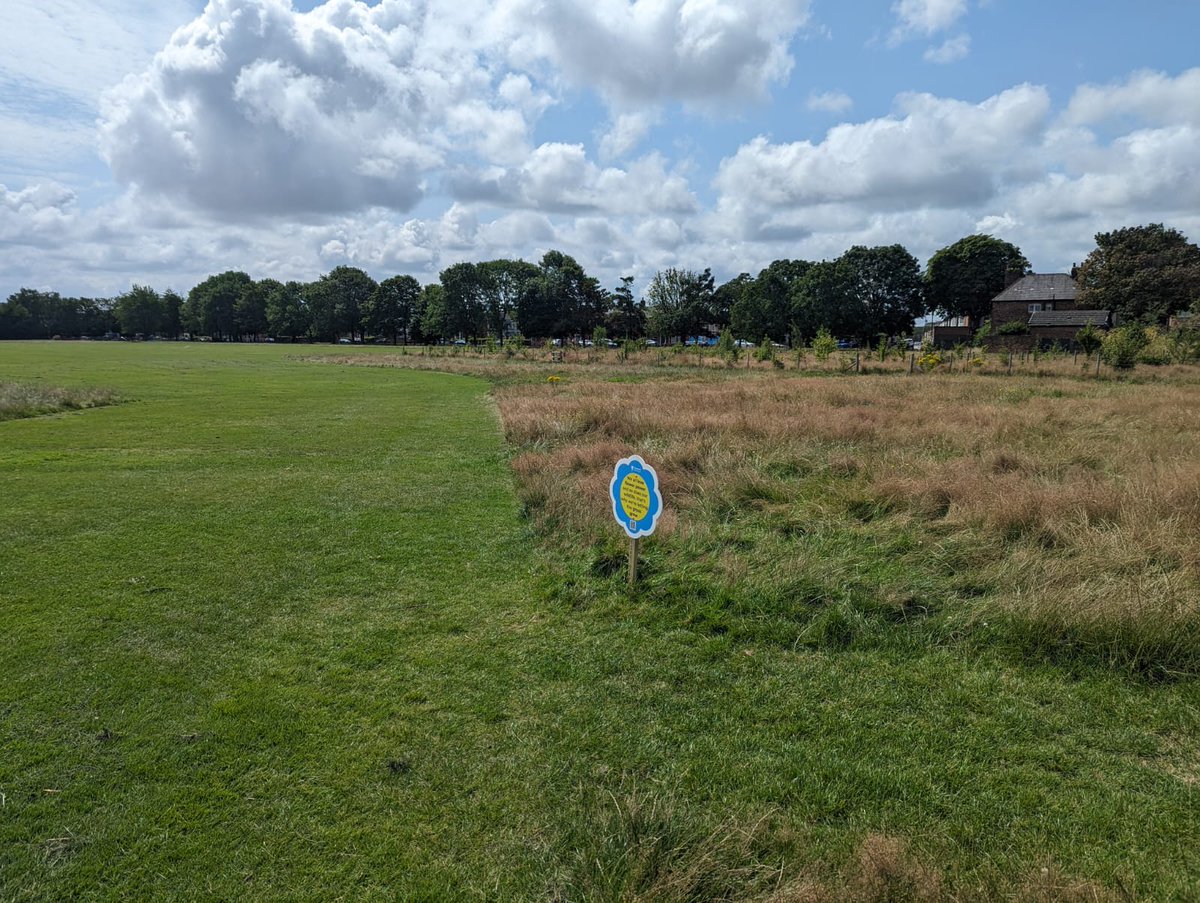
(159, 143)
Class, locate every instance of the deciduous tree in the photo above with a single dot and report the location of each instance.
(962, 279)
(392, 306)
(886, 282)
(1143, 273)
(140, 311)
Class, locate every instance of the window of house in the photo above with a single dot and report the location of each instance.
(1035, 308)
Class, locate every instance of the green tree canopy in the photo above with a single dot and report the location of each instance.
(250, 312)
(561, 301)
(464, 313)
(502, 282)
(287, 312)
(172, 324)
(764, 305)
(337, 301)
(825, 297)
(1143, 273)
(433, 313)
(627, 317)
(679, 303)
(886, 283)
(962, 279)
(32, 314)
(212, 304)
(392, 307)
(140, 311)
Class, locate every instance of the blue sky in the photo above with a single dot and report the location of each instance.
(159, 143)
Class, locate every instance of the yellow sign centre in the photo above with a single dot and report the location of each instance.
(635, 497)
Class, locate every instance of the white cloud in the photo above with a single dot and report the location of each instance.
(77, 48)
(626, 132)
(1152, 97)
(940, 152)
(950, 51)
(926, 17)
(829, 102)
(254, 108)
(56, 57)
(559, 178)
(704, 52)
(35, 215)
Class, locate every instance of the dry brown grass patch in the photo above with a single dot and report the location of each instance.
(1088, 492)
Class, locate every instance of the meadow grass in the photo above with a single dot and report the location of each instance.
(282, 630)
(18, 399)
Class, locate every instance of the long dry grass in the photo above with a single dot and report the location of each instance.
(32, 400)
(1060, 512)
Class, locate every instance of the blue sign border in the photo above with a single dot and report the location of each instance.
(645, 526)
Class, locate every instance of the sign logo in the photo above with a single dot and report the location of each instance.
(636, 500)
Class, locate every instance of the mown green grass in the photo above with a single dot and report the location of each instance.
(276, 630)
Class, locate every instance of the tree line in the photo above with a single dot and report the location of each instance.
(1143, 273)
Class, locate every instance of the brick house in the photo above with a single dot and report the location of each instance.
(1049, 327)
(1034, 294)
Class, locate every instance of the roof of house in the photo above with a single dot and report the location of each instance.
(1069, 318)
(1041, 287)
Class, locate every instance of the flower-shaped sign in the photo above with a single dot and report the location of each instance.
(636, 500)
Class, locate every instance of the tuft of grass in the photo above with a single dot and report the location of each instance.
(22, 399)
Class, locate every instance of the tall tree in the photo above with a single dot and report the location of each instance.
(502, 282)
(250, 312)
(434, 322)
(679, 303)
(20, 316)
(962, 279)
(287, 312)
(172, 324)
(727, 296)
(1143, 273)
(463, 300)
(392, 305)
(337, 301)
(763, 305)
(140, 311)
(212, 303)
(825, 298)
(561, 301)
(627, 317)
(887, 284)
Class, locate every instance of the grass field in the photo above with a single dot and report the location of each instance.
(281, 629)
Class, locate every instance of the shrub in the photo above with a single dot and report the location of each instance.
(1122, 346)
(765, 351)
(824, 344)
(1089, 339)
(1184, 344)
(727, 348)
(1013, 327)
(930, 360)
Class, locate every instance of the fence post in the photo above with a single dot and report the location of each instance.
(856, 363)
(912, 363)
